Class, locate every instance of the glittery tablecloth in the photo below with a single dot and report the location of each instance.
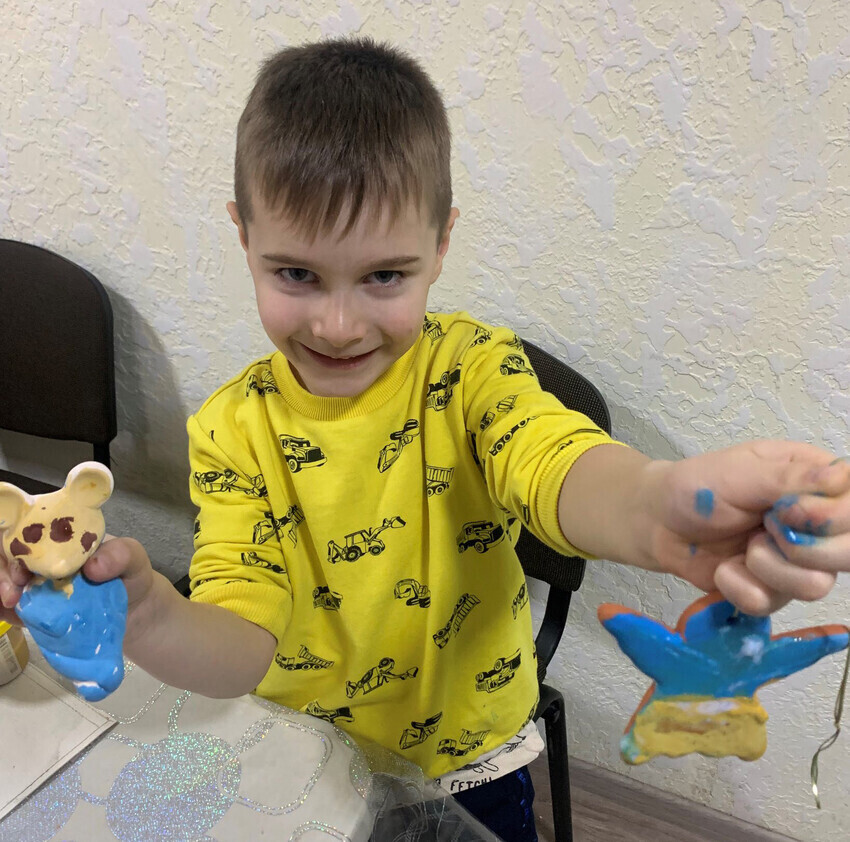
(180, 766)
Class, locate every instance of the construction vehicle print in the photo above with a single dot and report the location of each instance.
(515, 364)
(470, 438)
(480, 534)
(300, 453)
(329, 714)
(503, 671)
(482, 335)
(506, 404)
(469, 741)
(271, 526)
(486, 420)
(433, 329)
(413, 592)
(437, 479)
(306, 660)
(516, 342)
(228, 480)
(378, 676)
(526, 513)
(440, 393)
(324, 597)
(251, 559)
(197, 527)
(461, 610)
(520, 600)
(362, 541)
(398, 441)
(263, 386)
(419, 731)
(500, 443)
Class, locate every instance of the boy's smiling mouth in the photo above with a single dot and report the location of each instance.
(337, 362)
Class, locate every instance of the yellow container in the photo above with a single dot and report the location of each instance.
(14, 653)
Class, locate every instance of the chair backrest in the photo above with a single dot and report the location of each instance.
(57, 375)
(564, 574)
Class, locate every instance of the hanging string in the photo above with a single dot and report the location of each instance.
(839, 707)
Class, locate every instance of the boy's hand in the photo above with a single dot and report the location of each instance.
(764, 522)
(116, 557)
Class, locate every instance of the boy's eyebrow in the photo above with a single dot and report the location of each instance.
(400, 260)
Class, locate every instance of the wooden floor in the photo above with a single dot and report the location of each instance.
(612, 808)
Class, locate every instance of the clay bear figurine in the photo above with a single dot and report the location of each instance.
(78, 625)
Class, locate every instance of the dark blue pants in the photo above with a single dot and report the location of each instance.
(505, 806)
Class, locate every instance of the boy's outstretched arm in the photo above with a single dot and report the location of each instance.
(198, 647)
(763, 522)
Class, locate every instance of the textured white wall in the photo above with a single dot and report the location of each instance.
(655, 190)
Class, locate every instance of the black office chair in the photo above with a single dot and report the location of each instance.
(564, 575)
(57, 374)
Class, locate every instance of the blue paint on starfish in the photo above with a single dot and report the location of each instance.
(720, 653)
(704, 502)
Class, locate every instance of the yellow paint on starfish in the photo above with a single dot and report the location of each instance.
(717, 727)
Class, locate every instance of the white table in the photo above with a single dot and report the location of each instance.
(180, 766)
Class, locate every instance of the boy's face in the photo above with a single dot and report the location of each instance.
(342, 308)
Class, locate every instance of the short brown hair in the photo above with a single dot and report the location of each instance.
(346, 123)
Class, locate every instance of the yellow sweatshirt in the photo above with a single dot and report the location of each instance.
(374, 536)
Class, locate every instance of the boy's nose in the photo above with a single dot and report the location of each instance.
(338, 322)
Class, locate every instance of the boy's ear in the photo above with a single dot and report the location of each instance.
(89, 484)
(234, 215)
(13, 501)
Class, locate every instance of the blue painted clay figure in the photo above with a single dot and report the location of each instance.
(78, 625)
(706, 672)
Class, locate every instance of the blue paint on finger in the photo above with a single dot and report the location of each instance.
(704, 502)
(693, 549)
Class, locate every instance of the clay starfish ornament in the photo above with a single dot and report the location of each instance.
(705, 675)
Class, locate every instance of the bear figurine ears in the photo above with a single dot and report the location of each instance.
(54, 534)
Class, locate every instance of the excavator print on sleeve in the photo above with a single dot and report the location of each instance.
(378, 676)
(212, 482)
(270, 526)
(413, 592)
(362, 541)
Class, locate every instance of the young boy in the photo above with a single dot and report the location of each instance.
(360, 490)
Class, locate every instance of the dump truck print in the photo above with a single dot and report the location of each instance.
(413, 592)
(480, 534)
(376, 677)
(398, 441)
(440, 393)
(500, 443)
(324, 597)
(251, 559)
(300, 453)
(461, 610)
(469, 741)
(437, 479)
(418, 732)
(515, 364)
(503, 671)
(271, 526)
(329, 714)
(362, 541)
(306, 660)
(263, 386)
(227, 480)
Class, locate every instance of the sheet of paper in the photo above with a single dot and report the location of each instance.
(43, 726)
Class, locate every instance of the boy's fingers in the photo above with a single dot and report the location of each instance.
(113, 558)
(746, 591)
(807, 550)
(767, 563)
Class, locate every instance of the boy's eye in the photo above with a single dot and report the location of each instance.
(387, 277)
(295, 274)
